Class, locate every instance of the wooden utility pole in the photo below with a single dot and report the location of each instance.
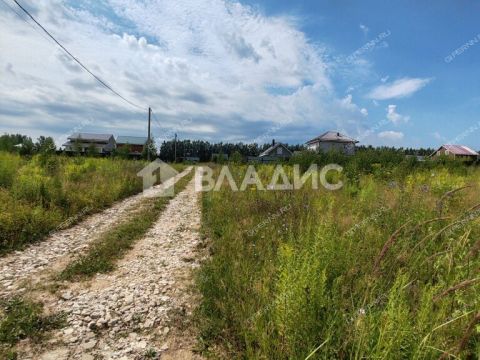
(148, 141)
(175, 157)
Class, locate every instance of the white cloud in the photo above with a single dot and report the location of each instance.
(395, 117)
(364, 29)
(212, 61)
(391, 135)
(364, 112)
(398, 89)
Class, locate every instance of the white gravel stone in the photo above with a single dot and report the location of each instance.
(22, 265)
(104, 319)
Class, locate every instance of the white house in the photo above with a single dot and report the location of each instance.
(332, 140)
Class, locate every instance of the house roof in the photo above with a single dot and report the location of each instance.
(332, 136)
(272, 148)
(132, 140)
(90, 137)
(459, 150)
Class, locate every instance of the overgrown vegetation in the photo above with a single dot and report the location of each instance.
(49, 192)
(387, 267)
(21, 319)
(113, 245)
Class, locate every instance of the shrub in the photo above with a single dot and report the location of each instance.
(9, 165)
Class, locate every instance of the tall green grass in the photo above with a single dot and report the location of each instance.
(47, 192)
(371, 271)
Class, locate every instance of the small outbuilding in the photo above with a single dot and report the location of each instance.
(332, 141)
(459, 152)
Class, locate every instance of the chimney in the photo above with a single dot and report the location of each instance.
(273, 142)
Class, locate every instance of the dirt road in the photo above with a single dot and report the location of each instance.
(142, 309)
(20, 266)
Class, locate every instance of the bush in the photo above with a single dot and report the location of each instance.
(9, 165)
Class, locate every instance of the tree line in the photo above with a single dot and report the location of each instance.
(182, 149)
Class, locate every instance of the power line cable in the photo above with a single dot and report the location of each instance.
(77, 60)
(24, 19)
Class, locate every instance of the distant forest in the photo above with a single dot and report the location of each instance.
(204, 150)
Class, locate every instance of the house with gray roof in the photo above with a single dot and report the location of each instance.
(134, 144)
(276, 152)
(332, 141)
(82, 142)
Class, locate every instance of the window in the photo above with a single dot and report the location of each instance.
(279, 151)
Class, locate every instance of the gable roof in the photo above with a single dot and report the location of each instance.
(272, 148)
(459, 150)
(332, 136)
(132, 140)
(90, 137)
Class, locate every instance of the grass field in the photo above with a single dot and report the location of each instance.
(387, 267)
(46, 193)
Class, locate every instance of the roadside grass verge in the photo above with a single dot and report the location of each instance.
(113, 245)
(47, 193)
(23, 319)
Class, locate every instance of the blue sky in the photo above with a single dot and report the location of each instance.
(389, 73)
(422, 35)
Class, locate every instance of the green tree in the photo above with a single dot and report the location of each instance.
(123, 152)
(92, 150)
(45, 145)
(236, 157)
(27, 147)
(150, 145)
(77, 147)
(16, 143)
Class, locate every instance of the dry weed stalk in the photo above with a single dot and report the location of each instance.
(466, 337)
(436, 235)
(416, 228)
(474, 250)
(447, 195)
(459, 286)
(473, 208)
(388, 245)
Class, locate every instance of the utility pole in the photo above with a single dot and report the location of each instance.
(148, 141)
(175, 158)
